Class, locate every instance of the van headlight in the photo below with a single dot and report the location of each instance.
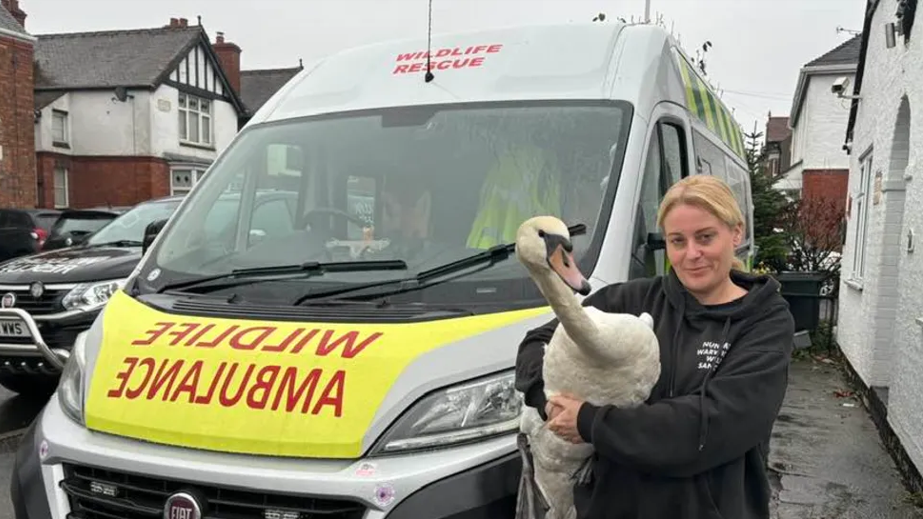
(89, 296)
(70, 385)
(458, 414)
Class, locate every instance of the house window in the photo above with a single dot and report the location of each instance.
(58, 127)
(182, 180)
(60, 188)
(861, 203)
(195, 120)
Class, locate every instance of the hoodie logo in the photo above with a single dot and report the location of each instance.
(710, 354)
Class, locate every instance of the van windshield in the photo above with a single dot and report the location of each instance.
(427, 186)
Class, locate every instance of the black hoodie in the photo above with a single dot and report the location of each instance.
(697, 448)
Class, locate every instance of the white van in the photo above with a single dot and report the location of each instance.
(353, 357)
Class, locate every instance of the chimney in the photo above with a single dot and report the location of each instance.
(13, 7)
(183, 22)
(229, 56)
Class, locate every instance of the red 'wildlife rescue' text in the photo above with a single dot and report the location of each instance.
(445, 59)
(302, 389)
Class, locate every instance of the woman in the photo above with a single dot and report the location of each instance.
(697, 448)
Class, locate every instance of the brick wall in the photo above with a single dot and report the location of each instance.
(96, 181)
(17, 125)
(832, 184)
(824, 191)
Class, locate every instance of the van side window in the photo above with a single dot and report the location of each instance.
(666, 163)
(738, 181)
(674, 152)
(709, 157)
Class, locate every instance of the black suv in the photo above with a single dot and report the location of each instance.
(46, 299)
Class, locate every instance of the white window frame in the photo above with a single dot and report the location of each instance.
(197, 173)
(57, 187)
(59, 115)
(206, 129)
(860, 204)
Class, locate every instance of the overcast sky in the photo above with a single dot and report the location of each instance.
(758, 45)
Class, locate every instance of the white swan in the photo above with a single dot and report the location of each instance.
(603, 358)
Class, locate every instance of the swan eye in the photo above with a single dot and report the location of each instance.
(541, 233)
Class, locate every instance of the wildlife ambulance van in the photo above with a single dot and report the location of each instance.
(354, 357)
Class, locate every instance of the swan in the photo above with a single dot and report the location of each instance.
(603, 358)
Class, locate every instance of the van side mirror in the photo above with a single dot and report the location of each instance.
(655, 241)
(151, 232)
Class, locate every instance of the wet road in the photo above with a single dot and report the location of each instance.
(827, 458)
(16, 413)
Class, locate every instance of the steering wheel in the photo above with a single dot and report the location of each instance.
(309, 219)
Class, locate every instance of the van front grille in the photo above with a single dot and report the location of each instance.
(96, 493)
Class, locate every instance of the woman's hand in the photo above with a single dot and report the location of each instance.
(562, 414)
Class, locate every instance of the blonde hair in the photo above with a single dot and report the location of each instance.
(709, 193)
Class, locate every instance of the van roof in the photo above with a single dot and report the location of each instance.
(573, 61)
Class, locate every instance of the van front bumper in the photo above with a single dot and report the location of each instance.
(59, 464)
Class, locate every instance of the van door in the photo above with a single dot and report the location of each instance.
(667, 160)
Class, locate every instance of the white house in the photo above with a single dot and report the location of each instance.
(127, 115)
(819, 166)
(880, 328)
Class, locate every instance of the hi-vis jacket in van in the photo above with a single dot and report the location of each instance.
(523, 184)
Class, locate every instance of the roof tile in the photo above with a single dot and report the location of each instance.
(777, 129)
(8, 23)
(108, 58)
(257, 86)
(847, 53)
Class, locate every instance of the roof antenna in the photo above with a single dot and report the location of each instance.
(429, 44)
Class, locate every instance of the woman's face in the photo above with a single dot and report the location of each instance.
(700, 247)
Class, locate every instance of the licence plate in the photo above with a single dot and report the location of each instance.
(13, 328)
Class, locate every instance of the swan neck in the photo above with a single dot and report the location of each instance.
(570, 312)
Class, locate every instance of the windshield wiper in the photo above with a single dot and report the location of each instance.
(482, 260)
(255, 274)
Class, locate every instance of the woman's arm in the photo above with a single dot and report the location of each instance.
(532, 349)
(741, 403)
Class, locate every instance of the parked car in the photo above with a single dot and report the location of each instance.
(74, 226)
(57, 294)
(24, 231)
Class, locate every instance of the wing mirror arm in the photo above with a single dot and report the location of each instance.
(656, 241)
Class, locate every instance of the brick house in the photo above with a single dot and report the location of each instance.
(880, 328)
(778, 143)
(819, 166)
(17, 155)
(144, 122)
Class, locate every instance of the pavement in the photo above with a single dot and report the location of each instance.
(826, 458)
(16, 413)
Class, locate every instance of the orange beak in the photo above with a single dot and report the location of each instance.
(562, 262)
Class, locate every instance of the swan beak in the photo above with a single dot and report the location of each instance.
(562, 262)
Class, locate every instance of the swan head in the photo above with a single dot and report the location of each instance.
(543, 245)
